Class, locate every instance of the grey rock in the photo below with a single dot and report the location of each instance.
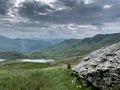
(101, 68)
(75, 80)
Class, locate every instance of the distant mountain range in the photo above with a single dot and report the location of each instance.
(78, 47)
(54, 49)
(7, 44)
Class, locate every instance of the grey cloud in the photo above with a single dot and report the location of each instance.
(34, 9)
(39, 19)
(75, 12)
(90, 13)
(4, 5)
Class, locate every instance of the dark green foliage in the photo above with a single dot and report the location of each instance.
(12, 55)
(68, 66)
(116, 87)
(39, 55)
(74, 74)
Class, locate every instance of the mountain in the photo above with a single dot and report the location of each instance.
(7, 44)
(79, 47)
(52, 41)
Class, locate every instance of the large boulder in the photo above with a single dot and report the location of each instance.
(101, 68)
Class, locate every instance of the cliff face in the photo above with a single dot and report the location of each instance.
(101, 68)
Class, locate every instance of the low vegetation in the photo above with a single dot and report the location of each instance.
(41, 76)
(37, 76)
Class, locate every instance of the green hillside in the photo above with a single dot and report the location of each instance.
(79, 47)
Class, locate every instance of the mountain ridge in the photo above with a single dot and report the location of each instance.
(80, 47)
(21, 44)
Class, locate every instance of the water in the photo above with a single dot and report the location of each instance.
(32, 60)
(37, 60)
(1, 60)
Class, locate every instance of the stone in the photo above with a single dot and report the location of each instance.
(101, 68)
(75, 80)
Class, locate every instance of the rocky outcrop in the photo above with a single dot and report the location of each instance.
(101, 68)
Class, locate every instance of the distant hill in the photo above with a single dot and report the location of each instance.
(79, 47)
(7, 44)
(12, 55)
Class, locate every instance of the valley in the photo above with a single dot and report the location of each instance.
(71, 48)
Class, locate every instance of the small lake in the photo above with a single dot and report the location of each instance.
(37, 60)
(1, 60)
(32, 60)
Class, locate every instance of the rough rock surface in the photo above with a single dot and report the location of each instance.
(101, 68)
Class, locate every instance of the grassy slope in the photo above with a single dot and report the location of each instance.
(77, 47)
(33, 76)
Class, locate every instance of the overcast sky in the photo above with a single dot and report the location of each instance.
(58, 18)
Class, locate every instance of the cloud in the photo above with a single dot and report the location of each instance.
(34, 9)
(62, 11)
(58, 18)
(4, 5)
(70, 11)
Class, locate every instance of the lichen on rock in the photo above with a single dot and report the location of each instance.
(101, 68)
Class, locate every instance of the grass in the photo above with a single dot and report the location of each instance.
(36, 76)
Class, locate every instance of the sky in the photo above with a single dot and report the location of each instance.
(62, 19)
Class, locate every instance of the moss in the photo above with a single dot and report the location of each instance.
(116, 87)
